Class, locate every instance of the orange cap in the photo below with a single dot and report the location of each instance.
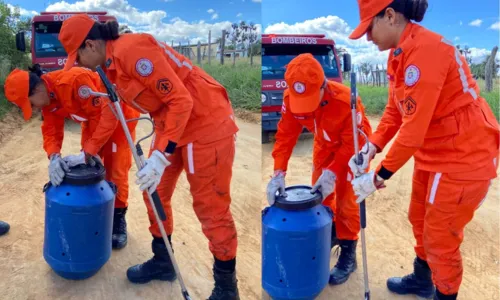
(73, 32)
(368, 9)
(304, 77)
(17, 86)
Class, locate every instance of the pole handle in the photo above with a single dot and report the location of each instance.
(107, 84)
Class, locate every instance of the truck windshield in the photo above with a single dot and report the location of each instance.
(276, 57)
(46, 43)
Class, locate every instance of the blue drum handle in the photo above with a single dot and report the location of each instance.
(112, 186)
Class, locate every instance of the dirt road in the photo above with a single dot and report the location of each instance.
(26, 275)
(390, 239)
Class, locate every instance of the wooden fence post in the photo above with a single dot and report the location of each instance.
(222, 46)
(209, 46)
(199, 52)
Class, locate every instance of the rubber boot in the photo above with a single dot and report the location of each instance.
(226, 287)
(4, 228)
(159, 267)
(439, 296)
(417, 283)
(346, 264)
(119, 237)
(335, 241)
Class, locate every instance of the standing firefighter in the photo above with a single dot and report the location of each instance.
(323, 107)
(64, 94)
(445, 125)
(194, 131)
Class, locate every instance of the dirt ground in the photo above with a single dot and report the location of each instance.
(26, 275)
(390, 239)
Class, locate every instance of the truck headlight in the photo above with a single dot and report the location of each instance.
(263, 97)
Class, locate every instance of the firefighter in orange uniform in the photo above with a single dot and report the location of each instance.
(194, 131)
(323, 107)
(64, 94)
(447, 127)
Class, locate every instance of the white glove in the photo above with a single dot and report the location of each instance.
(75, 160)
(277, 183)
(325, 183)
(365, 185)
(367, 152)
(150, 175)
(57, 169)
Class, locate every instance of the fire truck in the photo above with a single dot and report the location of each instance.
(277, 51)
(46, 50)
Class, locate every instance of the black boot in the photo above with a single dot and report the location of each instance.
(226, 287)
(440, 296)
(119, 237)
(159, 267)
(346, 263)
(335, 241)
(417, 283)
(4, 228)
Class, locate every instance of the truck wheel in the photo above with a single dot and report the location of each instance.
(265, 137)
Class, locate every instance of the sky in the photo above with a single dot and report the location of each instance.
(168, 20)
(476, 25)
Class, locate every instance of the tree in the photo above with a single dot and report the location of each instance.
(365, 69)
(490, 70)
(234, 36)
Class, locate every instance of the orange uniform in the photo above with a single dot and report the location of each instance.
(452, 134)
(193, 116)
(331, 125)
(101, 132)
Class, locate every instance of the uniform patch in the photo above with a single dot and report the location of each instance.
(299, 87)
(84, 92)
(164, 86)
(412, 74)
(144, 67)
(409, 106)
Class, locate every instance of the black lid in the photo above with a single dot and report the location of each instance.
(85, 174)
(298, 197)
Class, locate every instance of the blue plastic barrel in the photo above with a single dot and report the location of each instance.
(78, 222)
(296, 234)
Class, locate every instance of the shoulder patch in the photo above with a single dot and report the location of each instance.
(409, 106)
(412, 75)
(164, 86)
(144, 67)
(83, 92)
(299, 87)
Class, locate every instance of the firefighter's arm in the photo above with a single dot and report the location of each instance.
(289, 130)
(147, 64)
(52, 132)
(107, 122)
(339, 165)
(389, 124)
(426, 69)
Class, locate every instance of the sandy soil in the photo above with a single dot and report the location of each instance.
(390, 239)
(26, 275)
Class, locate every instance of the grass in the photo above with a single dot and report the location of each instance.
(375, 98)
(242, 81)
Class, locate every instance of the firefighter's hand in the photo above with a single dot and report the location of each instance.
(325, 183)
(366, 184)
(365, 155)
(57, 169)
(150, 175)
(277, 183)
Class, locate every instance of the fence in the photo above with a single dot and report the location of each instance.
(213, 51)
(372, 75)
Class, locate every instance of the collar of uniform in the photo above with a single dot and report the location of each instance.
(49, 86)
(406, 40)
(109, 63)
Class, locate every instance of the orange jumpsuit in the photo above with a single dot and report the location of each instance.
(331, 125)
(193, 122)
(452, 134)
(101, 132)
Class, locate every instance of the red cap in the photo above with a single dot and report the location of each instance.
(73, 32)
(368, 9)
(304, 77)
(16, 88)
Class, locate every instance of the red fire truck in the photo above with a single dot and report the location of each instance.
(46, 49)
(277, 51)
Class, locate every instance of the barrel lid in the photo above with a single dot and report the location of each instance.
(85, 174)
(298, 197)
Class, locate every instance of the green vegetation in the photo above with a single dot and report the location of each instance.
(243, 81)
(375, 98)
